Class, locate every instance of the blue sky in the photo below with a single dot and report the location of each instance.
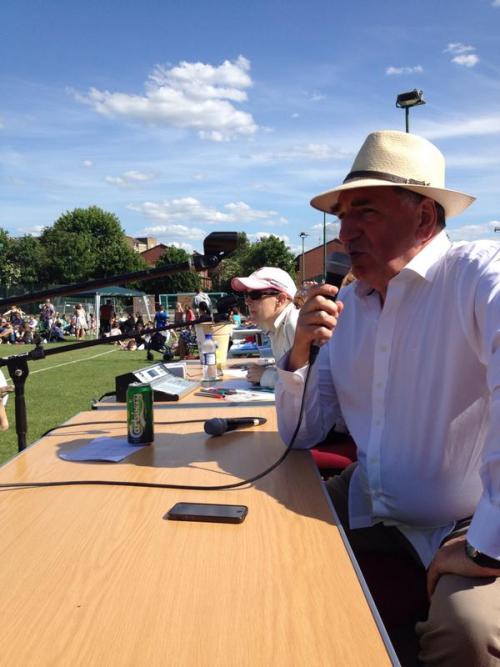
(187, 117)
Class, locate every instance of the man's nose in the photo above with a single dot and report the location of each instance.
(348, 228)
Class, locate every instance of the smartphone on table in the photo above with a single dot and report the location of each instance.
(207, 512)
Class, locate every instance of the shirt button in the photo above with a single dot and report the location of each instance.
(383, 348)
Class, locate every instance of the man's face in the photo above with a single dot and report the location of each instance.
(264, 311)
(380, 232)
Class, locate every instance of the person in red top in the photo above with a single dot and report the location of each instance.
(106, 314)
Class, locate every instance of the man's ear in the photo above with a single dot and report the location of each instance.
(428, 220)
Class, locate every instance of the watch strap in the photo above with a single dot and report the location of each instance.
(481, 559)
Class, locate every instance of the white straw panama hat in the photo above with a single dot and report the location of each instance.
(392, 158)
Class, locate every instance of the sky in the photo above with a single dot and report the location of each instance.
(187, 117)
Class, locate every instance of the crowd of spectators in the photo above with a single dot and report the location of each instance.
(18, 327)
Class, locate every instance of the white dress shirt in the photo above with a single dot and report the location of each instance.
(281, 335)
(417, 382)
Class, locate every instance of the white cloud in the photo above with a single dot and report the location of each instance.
(129, 178)
(190, 95)
(473, 232)
(457, 48)
(495, 3)
(87, 164)
(35, 230)
(462, 54)
(483, 125)
(189, 209)
(179, 231)
(308, 151)
(391, 71)
(332, 229)
(258, 236)
(469, 60)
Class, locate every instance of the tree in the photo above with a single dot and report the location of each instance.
(10, 271)
(85, 244)
(269, 251)
(177, 282)
(29, 255)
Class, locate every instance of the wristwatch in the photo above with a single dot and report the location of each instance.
(481, 559)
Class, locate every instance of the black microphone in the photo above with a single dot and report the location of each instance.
(218, 426)
(337, 267)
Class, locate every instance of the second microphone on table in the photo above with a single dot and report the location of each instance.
(219, 426)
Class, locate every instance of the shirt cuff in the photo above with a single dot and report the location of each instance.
(484, 531)
(292, 381)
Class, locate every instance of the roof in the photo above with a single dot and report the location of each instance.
(113, 290)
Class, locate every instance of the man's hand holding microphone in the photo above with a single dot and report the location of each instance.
(316, 324)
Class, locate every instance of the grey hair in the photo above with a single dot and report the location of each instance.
(415, 198)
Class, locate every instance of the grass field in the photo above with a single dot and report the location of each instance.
(62, 385)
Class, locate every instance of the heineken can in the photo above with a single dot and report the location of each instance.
(140, 413)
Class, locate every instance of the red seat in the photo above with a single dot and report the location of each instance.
(335, 453)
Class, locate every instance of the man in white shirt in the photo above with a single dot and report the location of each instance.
(413, 371)
(269, 294)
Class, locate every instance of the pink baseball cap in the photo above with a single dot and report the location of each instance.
(268, 277)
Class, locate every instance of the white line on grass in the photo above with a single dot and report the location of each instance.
(75, 361)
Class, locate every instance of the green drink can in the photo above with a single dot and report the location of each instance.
(140, 413)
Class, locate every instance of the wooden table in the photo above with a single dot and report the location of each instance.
(94, 575)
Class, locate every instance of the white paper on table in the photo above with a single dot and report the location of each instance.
(102, 449)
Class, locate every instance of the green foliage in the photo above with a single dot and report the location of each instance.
(270, 251)
(232, 266)
(177, 282)
(84, 244)
(28, 254)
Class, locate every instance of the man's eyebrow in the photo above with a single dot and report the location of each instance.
(355, 202)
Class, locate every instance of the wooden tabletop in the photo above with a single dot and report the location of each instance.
(94, 575)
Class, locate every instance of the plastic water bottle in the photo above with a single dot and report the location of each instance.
(208, 359)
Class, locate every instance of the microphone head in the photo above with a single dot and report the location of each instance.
(337, 267)
(215, 426)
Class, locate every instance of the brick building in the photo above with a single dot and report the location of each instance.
(313, 261)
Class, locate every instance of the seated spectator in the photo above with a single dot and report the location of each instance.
(14, 316)
(235, 317)
(7, 334)
(128, 326)
(269, 294)
(25, 334)
(204, 311)
(56, 333)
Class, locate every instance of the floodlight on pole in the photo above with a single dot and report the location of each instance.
(405, 101)
(303, 237)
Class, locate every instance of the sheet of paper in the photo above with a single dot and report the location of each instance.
(102, 449)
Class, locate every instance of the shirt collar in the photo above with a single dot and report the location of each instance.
(425, 263)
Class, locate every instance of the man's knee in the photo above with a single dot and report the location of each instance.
(463, 627)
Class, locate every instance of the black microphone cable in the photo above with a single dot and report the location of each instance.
(158, 485)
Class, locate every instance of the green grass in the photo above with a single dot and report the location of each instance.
(55, 392)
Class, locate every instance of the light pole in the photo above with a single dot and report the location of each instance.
(407, 100)
(324, 247)
(303, 237)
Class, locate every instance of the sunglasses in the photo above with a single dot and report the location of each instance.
(256, 295)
